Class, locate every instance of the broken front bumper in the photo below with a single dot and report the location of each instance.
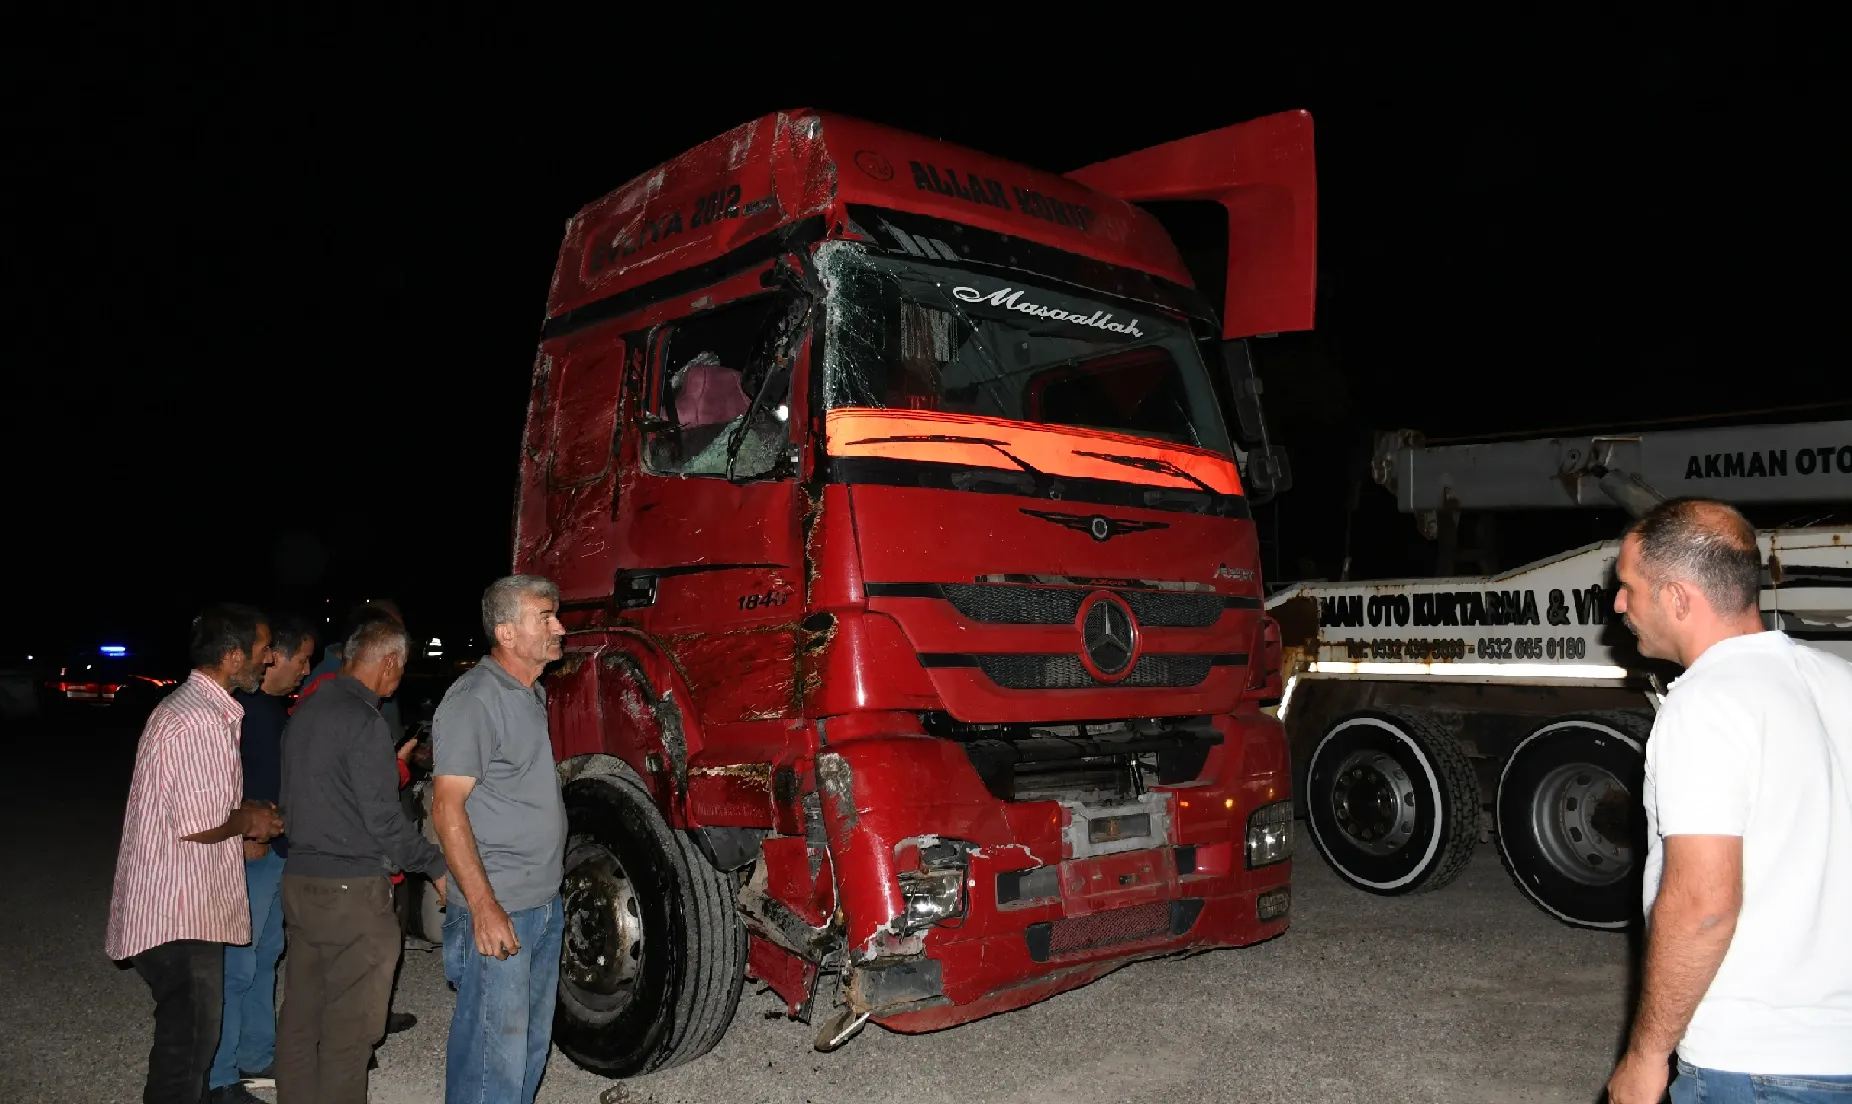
(1053, 894)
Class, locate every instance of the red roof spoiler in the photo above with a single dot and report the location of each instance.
(1264, 174)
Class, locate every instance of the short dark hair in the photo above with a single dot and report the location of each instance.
(287, 632)
(222, 628)
(1703, 542)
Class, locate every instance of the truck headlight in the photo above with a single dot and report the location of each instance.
(1270, 834)
(935, 891)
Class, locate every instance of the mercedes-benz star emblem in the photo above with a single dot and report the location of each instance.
(1110, 636)
(1097, 526)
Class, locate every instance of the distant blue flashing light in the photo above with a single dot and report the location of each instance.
(113, 650)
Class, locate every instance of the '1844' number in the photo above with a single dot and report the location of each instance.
(769, 598)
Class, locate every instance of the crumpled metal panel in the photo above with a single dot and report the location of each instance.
(706, 202)
(752, 620)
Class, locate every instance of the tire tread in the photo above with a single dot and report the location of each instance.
(721, 939)
(1455, 778)
(712, 940)
(1459, 788)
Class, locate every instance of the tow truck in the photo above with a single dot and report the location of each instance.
(1429, 715)
(915, 654)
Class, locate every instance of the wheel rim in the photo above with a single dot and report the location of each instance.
(602, 952)
(1373, 802)
(1580, 817)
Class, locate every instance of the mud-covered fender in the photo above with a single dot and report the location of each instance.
(618, 696)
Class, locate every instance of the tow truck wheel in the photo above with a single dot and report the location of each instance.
(1569, 820)
(654, 953)
(1392, 802)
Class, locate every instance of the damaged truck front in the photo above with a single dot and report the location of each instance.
(915, 638)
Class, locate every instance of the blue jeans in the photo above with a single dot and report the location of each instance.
(248, 1033)
(502, 1028)
(1696, 1085)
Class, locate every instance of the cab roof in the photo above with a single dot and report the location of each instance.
(737, 191)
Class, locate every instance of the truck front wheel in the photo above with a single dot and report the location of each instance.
(654, 954)
(1569, 820)
(1392, 802)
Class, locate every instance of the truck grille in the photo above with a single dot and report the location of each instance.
(1102, 929)
(1054, 938)
(1065, 672)
(1004, 604)
(1101, 763)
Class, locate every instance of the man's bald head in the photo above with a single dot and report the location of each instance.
(1705, 544)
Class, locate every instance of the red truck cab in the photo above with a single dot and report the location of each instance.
(915, 632)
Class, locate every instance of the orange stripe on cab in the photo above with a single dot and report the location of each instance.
(973, 440)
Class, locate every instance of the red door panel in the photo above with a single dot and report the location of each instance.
(580, 472)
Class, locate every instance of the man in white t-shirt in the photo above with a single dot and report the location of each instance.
(1749, 830)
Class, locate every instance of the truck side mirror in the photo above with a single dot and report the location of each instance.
(1268, 473)
(1244, 387)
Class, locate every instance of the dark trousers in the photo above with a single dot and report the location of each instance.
(343, 944)
(187, 977)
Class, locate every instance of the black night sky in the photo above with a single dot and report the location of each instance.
(273, 291)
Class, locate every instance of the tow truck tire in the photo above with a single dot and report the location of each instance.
(1392, 802)
(654, 953)
(1570, 826)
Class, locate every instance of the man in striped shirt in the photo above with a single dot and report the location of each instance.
(179, 895)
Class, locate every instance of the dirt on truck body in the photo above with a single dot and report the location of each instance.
(915, 627)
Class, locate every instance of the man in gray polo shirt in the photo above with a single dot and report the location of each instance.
(497, 806)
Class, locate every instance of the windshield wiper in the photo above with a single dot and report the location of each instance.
(1044, 484)
(1148, 463)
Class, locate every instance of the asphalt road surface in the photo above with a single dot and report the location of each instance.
(1468, 994)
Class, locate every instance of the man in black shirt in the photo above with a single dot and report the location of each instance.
(248, 1031)
(348, 834)
(407, 896)
(330, 665)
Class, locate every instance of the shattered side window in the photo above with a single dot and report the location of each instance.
(916, 336)
(712, 364)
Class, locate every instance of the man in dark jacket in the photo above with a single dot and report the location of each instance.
(321, 675)
(331, 661)
(347, 835)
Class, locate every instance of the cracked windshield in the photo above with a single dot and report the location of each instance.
(949, 356)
